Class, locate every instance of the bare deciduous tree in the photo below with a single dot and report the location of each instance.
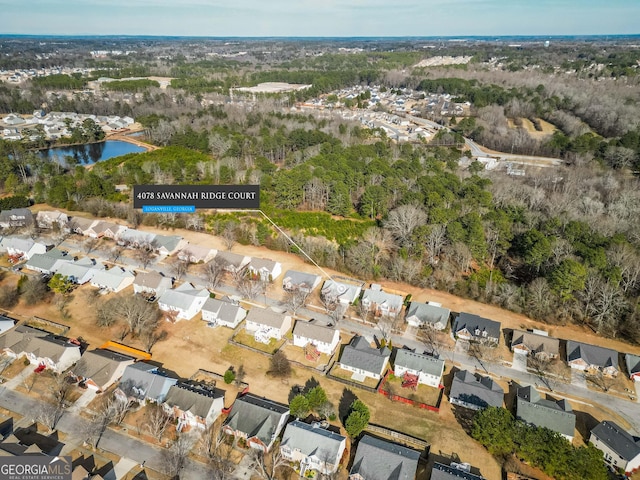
(230, 234)
(250, 287)
(144, 255)
(156, 421)
(267, 465)
(179, 267)
(90, 244)
(214, 271)
(403, 220)
(436, 241)
(175, 457)
(295, 299)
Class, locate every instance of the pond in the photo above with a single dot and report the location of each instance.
(91, 153)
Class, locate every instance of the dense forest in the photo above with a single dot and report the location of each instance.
(561, 245)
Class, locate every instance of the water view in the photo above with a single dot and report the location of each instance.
(91, 153)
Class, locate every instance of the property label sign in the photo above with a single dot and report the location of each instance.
(27, 467)
(243, 197)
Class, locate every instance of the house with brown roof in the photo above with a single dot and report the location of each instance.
(101, 368)
(196, 254)
(325, 339)
(535, 343)
(194, 404)
(152, 283)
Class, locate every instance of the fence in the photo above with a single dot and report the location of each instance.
(408, 401)
(351, 383)
(402, 437)
(60, 328)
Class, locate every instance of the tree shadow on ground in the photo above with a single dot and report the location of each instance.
(584, 424)
(344, 407)
(464, 416)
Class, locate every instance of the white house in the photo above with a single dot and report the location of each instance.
(136, 238)
(104, 229)
(428, 369)
(300, 281)
(345, 293)
(114, 280)
(268, 270)
(325, 339)
(80, 271)
(313, 447)
(363, 360)
(194, 404)
(427, 315)
(197, 254)
(223, 312)
(22, 248)
(48, 262)
(49, 218)
(184, 302)
(152, 283)
(381, 303)
(168, 244)
(266, 324)
(232, 262)
(16, 217)
(620, 449)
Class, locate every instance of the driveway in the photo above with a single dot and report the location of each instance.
(578, 378)
(519, 361)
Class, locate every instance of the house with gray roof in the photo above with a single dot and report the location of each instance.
(102, 228)
(101, 368)
(196, 254)
(363, 360)
(136, 238)
(381, 303)
(300, 281)
(378, 459)
(223, 312)
(266, 324)
(168, 244)
(152, 283)
(48, 262)
(428, 369)
(633, 366)
(591, 358)
(455, 471)
(535, 344)
(325, 339)
(16, 218)
(39, 347)
(268, 270)
(232, 262)
(21, 248)
(194, 404)
(114, 279)
(80, 271)
(476, 328)
(144, 381)
(620, 449)
(313, 447)
(475, 391)
(81, 225)
(184, 302)
(257, 420)
(555, 415)
(342, 292)
(423, 315)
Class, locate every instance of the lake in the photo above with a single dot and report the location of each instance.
(91, 153)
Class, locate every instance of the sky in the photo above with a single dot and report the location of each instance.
(255, 18)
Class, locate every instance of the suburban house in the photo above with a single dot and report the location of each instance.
(620, 449)
(428, 369)
(633, 366)
(555, 415)
(475, 391)
(223, 312)
(114, 280)
(324, 339)
(152, 283)
(591, 358)
(536, 343)
(473, 327)
(48, 262)
(80, 271)
(268, 270)
(144, 381)
(81, 225)
(40, 348)
(363, 360)
(183, 302)
(26, 441)
(194, 404)
(197, 254)
(103, 228)
(455, 471)
(314, 447)
(266, 324)
(344, 293)
(232, 262)
(300, 281)
(378, 459)
(21, 248)
(136, 238)
(381, 303)
(423, 315)
(100, 368)
(16, 217)
(48, 218)
(257, 420)
(168, 244)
